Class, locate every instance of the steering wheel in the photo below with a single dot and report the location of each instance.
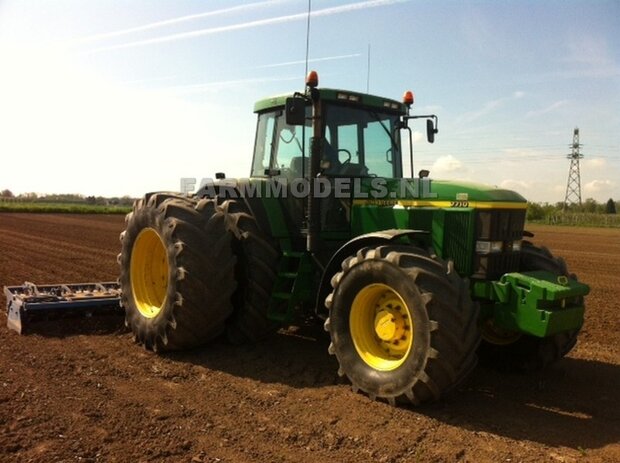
(284, 139)
(293, 137)
(347, 152)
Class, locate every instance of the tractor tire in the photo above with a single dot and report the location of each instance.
(402, 324)
(255, 272)
(522, 352)
(177, 272)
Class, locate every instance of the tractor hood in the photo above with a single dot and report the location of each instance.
(436, 193)
(468, 191)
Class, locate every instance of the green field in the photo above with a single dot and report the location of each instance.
(577, 219)
(68, 208)
(581, 219)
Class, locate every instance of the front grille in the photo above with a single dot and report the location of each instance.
(500, 225)
(458, 240)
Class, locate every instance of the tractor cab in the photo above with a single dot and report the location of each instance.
(360, 135)
(358, 139)
(326, 149)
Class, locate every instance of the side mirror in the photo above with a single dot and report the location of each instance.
(295, 110)
(430, 131)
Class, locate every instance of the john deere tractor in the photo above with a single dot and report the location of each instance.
(412, 278)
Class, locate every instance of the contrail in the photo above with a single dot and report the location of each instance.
(261, 22)
(315, 60)
(146, 81)
(241, 81)
(227, 83)
(191, 17)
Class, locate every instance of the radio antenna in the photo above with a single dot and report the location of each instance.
(308, 36)
(368, 73)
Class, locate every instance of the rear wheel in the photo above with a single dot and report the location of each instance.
(523, 352)
(177, 272)
(255, 272)
(402, 324)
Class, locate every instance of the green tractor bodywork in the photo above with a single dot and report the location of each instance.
(413, 278)
(355, 139)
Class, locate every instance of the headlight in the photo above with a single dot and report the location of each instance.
(487, 247)
(516, 246)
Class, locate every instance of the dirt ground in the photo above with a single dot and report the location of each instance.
(80, 390)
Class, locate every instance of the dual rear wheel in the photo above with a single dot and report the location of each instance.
(177, 272)
(192, 270)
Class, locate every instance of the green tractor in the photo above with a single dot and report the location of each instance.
(412, 278)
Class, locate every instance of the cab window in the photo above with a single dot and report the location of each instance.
(280, 147)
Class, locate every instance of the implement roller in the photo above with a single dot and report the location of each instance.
(29, 302)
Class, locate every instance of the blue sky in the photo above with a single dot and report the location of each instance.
(123, 97)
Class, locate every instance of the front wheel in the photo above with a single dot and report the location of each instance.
(402, 324)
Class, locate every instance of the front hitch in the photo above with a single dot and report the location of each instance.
(536, 303)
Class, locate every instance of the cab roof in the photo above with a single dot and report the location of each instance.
(339, 96)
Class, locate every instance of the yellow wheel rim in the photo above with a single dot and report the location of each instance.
(149, 273)
(496, 335)
(381, 327)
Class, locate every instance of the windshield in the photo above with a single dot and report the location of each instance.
(361, 142)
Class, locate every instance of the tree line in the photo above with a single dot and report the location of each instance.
(68, 198)
(542, 211)
(535, 211)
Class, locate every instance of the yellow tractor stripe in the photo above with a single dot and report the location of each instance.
(441, 204)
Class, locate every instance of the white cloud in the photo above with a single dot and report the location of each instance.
(596, 163)
(418, 137)
(447, 166)
(557, 188)
(518, 185)
(598, 187)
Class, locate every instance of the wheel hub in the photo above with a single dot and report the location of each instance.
(149, 273)
(381, 327)
(389, 325)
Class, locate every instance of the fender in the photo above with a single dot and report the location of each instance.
(351, 247)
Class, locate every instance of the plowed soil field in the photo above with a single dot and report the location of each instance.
(80, 390)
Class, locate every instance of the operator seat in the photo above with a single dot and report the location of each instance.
(298, 165)
(331, 155)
